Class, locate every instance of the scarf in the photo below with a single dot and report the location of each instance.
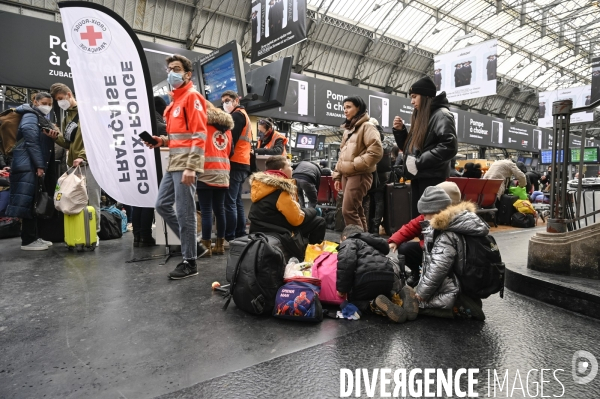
(349, 124)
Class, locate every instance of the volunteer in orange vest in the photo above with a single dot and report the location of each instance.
(186, 139)
(213, 184)
(270, 141)
(241, 135)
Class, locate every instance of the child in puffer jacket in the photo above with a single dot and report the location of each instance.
(438, 291)
(412, 251)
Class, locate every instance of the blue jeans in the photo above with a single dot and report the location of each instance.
(181, 218)
(212, 201)
(234, 208)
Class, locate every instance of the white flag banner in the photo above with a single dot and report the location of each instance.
(580, 96)
(114, 100)
(467, 73)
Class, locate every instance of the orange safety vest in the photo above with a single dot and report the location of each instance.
(241, 152)
(276, 136)
(216, 160)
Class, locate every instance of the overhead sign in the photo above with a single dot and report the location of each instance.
(115, 101)
(46, 60)
(580, 96)
(276, 25)
(467, 73)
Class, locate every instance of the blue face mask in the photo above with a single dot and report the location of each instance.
(175, 79)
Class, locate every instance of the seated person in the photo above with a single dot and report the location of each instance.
(412, 250)
(363, 269)
(275, 207)
(438, 292)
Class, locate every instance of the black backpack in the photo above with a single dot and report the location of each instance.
(110, 226)
(482, 273)
(257, 277)
(523, 220)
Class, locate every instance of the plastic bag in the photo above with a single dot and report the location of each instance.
(519, 192)
(524, 207)
(71, 195)
(314, 250)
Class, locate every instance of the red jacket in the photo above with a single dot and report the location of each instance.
(408, 232)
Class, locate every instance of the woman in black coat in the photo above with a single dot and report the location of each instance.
(472, 171)
(431, 143)
(31, 156)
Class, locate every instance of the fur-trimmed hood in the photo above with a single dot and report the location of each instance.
(263, 184)
(460, 218)
(219, 119)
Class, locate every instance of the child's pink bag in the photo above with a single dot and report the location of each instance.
(325, 269)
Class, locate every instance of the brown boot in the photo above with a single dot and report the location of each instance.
(207, 244)
(220, 246)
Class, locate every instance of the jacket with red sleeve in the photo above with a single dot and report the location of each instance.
(186, 129)
(408, 232)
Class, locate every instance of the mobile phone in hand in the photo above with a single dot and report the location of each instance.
(148, 138)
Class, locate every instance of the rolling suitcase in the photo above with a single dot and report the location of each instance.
(397, 207)
(80, 230)
(506, 209)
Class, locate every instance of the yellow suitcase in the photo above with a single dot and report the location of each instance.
(80, 230)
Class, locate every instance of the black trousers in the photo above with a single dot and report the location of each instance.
(413, 255)
(308, 188)
(28, 231)
(141, 220)
(376, 210)
(314, 230)
(417, 187)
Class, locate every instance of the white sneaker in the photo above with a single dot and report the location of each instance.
(48, 243)
(97, 241)
(226, 244)
(35, 246)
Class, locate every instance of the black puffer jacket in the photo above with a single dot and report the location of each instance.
(309, 172)
(359, 254)
(440, 145)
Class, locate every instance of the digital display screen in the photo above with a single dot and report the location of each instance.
(521, 159)
(219, 76)
(527, 161)
(547, 156)
(306, 141)
(534, 162)
(590, 154)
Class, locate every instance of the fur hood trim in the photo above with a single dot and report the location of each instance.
(287, 185)
(217, 117)
(442, 220)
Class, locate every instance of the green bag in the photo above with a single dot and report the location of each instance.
(519, 192)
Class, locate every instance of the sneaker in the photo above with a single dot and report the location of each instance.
(37, 245)
(410, 302)
(226, 244)
(184, 270)
(201, 250)
(48, 243)
(468, 308)
(394, 312)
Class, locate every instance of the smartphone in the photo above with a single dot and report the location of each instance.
(379, 108)
(296, 100)
(147, 138)
(456, 124)
(537, 139)
(497, 132)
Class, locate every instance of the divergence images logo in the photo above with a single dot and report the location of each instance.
(584, 371)
(91, 35)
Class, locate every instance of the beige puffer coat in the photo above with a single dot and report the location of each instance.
(360, 150)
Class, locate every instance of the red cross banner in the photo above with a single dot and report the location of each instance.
(114, 99)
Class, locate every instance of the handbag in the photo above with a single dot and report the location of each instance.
(71, 195)
(44, 205)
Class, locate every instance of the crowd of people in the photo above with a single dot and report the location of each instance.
(211, 155)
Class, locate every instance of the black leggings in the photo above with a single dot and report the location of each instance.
(141, 220)
(417, 187)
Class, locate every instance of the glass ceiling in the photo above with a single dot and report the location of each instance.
(560, 58)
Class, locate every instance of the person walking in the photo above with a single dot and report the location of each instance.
(430, 144)
(31, 156)
(360, 151)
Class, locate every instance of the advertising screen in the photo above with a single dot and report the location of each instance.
(590, 154)
(219, 76)
(306, 141)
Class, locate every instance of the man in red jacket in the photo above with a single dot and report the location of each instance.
(402, 240)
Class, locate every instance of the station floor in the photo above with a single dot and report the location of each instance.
(89, 325)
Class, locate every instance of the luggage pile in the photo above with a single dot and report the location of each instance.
(265, 281)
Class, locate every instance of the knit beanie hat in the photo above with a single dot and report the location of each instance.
(433, 200)
(452, 190)
(424, 87)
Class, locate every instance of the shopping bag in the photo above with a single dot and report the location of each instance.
(70, 196)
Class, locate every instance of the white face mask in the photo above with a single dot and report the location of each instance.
(44, 109)
(228, 106)
(64, 104)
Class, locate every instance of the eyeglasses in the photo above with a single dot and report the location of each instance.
(176, 69)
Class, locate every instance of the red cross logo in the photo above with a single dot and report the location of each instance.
(91, 35)
(220, 140)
